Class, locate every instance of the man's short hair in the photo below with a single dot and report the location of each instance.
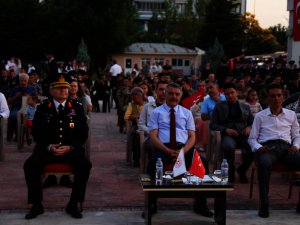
(173, 85)
(23, 75)
(160, 82)
(229, 85)
(273, 86)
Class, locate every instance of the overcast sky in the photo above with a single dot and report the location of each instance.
(269, 12)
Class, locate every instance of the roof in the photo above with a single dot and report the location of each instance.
(157, 48)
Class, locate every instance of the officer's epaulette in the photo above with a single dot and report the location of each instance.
(45, 102)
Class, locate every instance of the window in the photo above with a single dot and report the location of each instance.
(144, 61)
(181, 62)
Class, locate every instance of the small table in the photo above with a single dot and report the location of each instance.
(171, 189)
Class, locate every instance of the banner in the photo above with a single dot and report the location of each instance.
(296, 22)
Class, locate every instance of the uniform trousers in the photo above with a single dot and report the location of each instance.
(278, 154)
(34, 166)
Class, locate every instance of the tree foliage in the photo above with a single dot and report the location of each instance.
(279, 32)
(30, 27)
(256, 39)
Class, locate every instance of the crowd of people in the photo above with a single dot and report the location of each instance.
(241, 101)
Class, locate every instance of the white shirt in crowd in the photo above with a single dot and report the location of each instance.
(267, 127)
(115, 70)
(4, 110)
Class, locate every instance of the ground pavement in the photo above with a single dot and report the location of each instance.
(114, 193)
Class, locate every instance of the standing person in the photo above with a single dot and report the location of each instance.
(65, 131)
(233, 120)
(274, 138)
(170, 135)
(114, 70)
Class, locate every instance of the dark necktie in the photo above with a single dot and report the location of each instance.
(172, 129)
(60, 110)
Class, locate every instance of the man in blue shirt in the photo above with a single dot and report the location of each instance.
(209, 103)
(160, 127)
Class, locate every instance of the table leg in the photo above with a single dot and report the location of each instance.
(148, 203)
(220, 208)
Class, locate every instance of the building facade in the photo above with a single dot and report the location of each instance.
(184, 61)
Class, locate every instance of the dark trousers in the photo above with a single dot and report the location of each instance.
(34, 166)
(228, 146)
(277, 154)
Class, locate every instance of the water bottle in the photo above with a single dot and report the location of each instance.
(159, 172)
(224, 171)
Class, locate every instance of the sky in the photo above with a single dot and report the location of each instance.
(269, 12)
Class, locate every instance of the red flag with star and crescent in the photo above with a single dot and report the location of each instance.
(197, 168)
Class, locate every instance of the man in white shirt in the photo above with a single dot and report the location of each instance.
(274, 138)
(4, 110)
(115, 69)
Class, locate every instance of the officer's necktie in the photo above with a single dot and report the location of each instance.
(172, 129)
(60, 110)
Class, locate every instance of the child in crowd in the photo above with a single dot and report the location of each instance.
(252, 101)
(32, 101)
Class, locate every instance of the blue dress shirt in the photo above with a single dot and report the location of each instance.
(160, 119)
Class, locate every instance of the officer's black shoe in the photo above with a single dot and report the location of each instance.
(263, 211)
(36, 209)
(73, 210)
(50, 181)
(203, 210)
(66, 181)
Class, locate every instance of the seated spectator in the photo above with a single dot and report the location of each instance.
(209, 103)
(274, 138)
(4, 110)
(170, 135)
(132, 114)
(147, 92)
(124, 98)
(15, 100)
(146, 113)
(32, 101)
(234, 120)
(252, 101)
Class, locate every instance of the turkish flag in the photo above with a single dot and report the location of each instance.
(197, 167)
(296, 22)
(189, 101)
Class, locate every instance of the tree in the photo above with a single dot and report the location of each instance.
(256, 39)
(82, 54)
(214, 55)
(279, 32)
(222, 23)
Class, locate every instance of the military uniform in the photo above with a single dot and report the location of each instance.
(66, 128)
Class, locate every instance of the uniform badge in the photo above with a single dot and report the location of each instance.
(72, 112)
(72, 125)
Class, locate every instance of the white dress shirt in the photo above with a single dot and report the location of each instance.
(115, 70)
(267, 127)
(4, 110)
(145, 116)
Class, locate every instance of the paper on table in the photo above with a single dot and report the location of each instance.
(207, 179)
(217, 179)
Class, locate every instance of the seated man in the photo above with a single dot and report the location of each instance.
(15, 100)
(274, 138)
(60, 131)
(172, 128)
(146, 113)
(234, 120)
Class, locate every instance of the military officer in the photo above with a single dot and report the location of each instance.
(60, 131)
